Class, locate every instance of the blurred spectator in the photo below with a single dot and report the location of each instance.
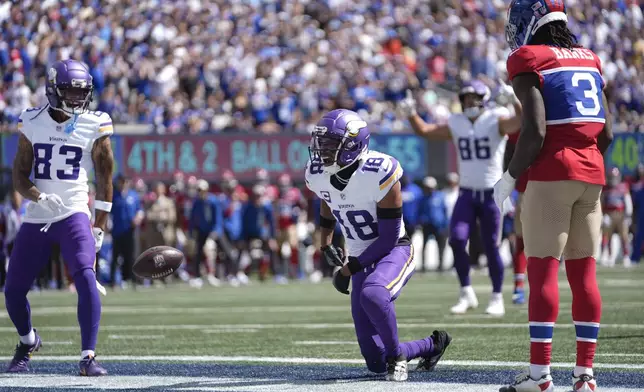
(14, 210)
(206, 222)
(277, 65)
(160, 219)
(258, 233)
(231, 204)
(290, 205)
(412, 195)
(433, 218)
(127, 214)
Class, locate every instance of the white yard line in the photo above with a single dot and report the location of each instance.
(230, 330)
(298, 360)
(229, 384)
(170, 327)
(61, 343)
(135, 337)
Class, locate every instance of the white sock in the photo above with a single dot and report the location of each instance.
(497, 297)
(29, 338)
(538, 371)
(467, 290)
(579, 370)
(87, 353)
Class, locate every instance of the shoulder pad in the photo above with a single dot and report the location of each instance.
(522, 60)
(102, 120)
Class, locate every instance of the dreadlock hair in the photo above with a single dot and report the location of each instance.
(555, 34)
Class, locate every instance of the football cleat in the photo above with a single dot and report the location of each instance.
(496, 306)
(584, 383)
(441, 340)
(397, 369)
(23, 353)
(89, 367)
(518, 297)
(524, 383)
(627, 261)
(466, 301)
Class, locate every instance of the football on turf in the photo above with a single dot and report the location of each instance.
(158, 262)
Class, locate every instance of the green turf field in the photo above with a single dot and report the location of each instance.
(314, 321)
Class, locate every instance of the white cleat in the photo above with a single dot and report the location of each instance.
(627, 261)
(213, 281)
(242, 278)
(467, 300)
(584, 383)
(196, 283)
(397, 369)
(496, 306)
(233, 281)
(523, 383)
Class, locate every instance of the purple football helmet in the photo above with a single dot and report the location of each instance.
(340, 138)
(69, 87)
(482, 93)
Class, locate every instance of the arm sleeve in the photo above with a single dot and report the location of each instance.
(522, 60)
(388, 232)
(389, 174)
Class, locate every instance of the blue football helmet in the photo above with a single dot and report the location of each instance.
(340, 138)
(525, 17)
(69, 87)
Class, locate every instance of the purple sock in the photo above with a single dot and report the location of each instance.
(417, 348)
(461, 261)
(18, 308)
(376, 302)
(89, 307)
(495, 268)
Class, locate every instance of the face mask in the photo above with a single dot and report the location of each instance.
(472, 112)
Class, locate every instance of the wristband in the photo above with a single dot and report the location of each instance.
(354, 265)
(327, 223)
(102, 205)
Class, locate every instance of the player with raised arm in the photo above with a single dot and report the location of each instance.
(565, 131)
(360, 190)
(479, 135)
(61, 142)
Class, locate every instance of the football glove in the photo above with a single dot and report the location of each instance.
(341, 282)
(98, 238)
(407, 106)
(502, 190)
(333, 255)
(51, 201)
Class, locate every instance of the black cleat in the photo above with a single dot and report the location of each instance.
(441, 341)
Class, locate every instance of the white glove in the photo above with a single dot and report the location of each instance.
(507, 91)
(98, 237)
(407, 106)
(502, 190)
(51, 201)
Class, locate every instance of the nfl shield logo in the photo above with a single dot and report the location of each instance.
(159, 261)
(343, 196)
(59, 128)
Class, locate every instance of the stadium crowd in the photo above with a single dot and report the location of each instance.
(211, 66)
(229, 231)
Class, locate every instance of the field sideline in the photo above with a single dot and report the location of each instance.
(267, 337)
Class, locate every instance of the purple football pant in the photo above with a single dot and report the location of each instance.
(373, 293)
(31, 253)
(470, 206)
